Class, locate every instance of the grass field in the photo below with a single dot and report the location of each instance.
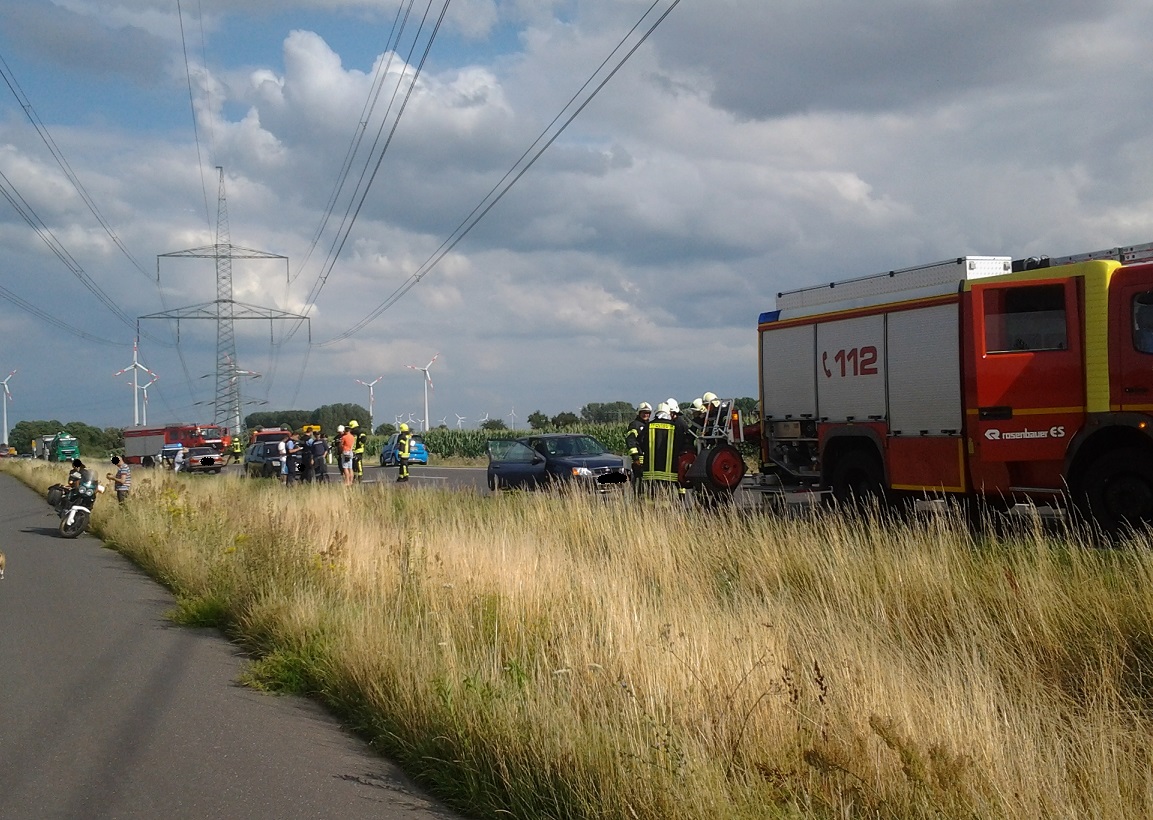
(556, 655)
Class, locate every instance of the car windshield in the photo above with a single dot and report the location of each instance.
(573, 446)
(271, 449)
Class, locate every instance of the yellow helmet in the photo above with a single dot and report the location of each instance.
(404, 428)
(352, 425)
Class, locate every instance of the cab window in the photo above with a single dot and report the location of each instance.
(1025, 319)
(1143, 322)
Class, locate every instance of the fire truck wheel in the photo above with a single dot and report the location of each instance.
(1118, 491)
(857, 480)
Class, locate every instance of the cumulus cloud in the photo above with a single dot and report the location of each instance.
(747, 148)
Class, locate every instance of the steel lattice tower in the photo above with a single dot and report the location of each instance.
(225, 311)
(227, 405)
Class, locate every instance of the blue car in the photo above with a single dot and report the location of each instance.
(417, 452)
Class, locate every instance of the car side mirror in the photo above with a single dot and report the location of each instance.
(537, 458)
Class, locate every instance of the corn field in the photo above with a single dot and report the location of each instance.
(448, 443)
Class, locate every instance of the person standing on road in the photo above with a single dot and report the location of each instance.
(662, 443)
(292, 451)
(347, 443)
(319, 458)
(403, 451)
(361, 436)
(632, 443)
(121, 478)
(307, 466)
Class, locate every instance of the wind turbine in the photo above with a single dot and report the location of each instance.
(480, 422)
(512, 415)
(7, 397)
(459, 419)
(144, 405)
(427, 384)
(135, 367)
(371, 401)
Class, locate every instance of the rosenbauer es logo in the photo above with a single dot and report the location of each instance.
(993, 434)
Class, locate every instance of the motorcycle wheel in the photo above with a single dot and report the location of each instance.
(79, 524)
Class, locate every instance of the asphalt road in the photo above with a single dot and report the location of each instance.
(453, 478)
(109, 711)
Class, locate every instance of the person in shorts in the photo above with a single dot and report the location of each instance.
(347, 443)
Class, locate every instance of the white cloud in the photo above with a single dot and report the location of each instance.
(747, 148)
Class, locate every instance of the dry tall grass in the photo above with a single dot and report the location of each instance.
(567, 656)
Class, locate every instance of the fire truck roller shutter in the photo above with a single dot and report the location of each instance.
(850, 368)
(788, 377)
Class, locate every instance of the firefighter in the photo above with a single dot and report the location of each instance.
(632, 442)
(361, 439)
(403, 443)
(684, 435)
(661, 444)
(236, 449)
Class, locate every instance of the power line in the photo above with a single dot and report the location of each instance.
(358, 133)
(29, 215)
(52, 320)
(513, 175)
(364, 184)
(62, 161)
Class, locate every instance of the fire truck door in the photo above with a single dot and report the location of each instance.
(1028, 369)
(1131, 340)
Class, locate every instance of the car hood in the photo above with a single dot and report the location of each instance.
(592, 462)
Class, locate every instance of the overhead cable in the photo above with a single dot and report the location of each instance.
(514, 174)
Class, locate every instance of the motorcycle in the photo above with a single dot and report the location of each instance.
(74, 504)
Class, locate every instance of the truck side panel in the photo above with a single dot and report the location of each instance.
(788, 379)
(925, 371)
(850, 369)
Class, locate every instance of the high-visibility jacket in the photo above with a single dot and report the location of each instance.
(633, 436)
(402, 445)
(662, 442)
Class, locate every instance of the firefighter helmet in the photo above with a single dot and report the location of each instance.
(403, 428)
(674, 406)
(698, 404)
(340, 428)
(352, 425)
(644, 407)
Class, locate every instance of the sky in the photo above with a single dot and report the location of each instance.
(743, 148)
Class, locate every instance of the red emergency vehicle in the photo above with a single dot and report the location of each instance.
(973, 377)
(155, 443)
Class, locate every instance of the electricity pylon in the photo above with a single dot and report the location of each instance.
(225, 311)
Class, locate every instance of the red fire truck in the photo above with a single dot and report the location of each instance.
(977, 377)
(149, 445)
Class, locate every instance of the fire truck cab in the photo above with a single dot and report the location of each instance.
(975, 377)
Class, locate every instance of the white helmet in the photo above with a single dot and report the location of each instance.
(663, 407)
(644, 407)
(711, 398)
(674, 406)
(698, 404)
(340, 428)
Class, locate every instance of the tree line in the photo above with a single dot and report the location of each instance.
(94, 440)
